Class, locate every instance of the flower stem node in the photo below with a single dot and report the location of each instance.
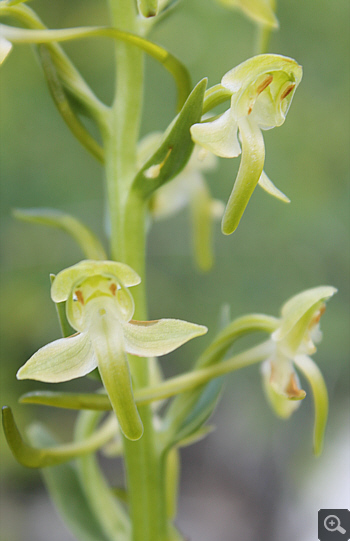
(261, 92)
(99, 306)
(292, 343)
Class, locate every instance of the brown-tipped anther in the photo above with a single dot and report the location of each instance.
(264, 84)
(316, 319)
(287, 91)
(80, 296)
(293, 390)
(113, 288)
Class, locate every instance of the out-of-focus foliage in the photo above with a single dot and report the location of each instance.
(277, 251)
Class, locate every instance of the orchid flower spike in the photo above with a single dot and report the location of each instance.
(292, 343)
(100, 307)
(190, 189)
(260, 11)
(261, 90)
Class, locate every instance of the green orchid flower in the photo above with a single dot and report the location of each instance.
(260, 11)
(291, 344)
(261, 91)
(190, 189)
(99, 306)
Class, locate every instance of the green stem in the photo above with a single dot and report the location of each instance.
(144, 466)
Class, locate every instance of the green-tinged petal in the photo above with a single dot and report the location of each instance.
(148, 8)
(219, 136)
(86, 239)
(259, 11)
(5, 49)
(61, 360)
(319, 390)
(175, 149)
(68, 278)
(64, 487)
(306, 302)
(269, 187)
(33, 457)
(250, 170)
(280, 403)
(108, 344)
(159, 337)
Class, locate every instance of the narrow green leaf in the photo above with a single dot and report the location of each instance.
(33, 457)
(175, 151)
(64, 487)
(62, 103)
(85, 238)
(202, 410)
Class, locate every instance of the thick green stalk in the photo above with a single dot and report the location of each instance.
(144, 467)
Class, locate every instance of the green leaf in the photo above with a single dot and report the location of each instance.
(63, 105)
(175, 151)
(64, 487)
(33, 457)
(87, 240)
(202, 410)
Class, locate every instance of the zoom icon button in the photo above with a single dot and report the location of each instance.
(333, 524)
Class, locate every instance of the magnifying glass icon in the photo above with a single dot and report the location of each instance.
(332, 524)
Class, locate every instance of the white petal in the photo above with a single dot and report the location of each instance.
(218, 136)
(62, 360)
(154, 338)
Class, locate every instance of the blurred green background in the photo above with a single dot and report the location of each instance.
(255, 471)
